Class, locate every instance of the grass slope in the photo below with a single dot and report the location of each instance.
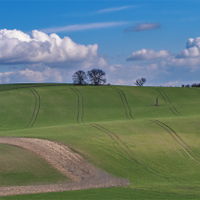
(158, 150)
(20, 167)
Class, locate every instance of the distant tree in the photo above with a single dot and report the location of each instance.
(140, 82)
(96, 76)
(195, 85)
(183, 85)
(79, 77)
(187, 85)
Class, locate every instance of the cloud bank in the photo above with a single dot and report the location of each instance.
(142, 27)
(28, 75)
(18, 47)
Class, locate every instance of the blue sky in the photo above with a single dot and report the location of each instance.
(47, 41)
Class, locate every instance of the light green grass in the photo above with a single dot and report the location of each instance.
(144, 152)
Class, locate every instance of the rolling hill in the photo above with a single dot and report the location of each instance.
(116, 128)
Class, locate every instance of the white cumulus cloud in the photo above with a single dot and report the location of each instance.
(192, 49)
(18, 47)
(148, 54)
(27, 75)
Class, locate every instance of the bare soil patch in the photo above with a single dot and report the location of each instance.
(84, 174)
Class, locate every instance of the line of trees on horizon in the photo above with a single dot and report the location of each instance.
(94, 76)
(193, 85)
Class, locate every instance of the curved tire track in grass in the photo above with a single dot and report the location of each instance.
(84, 174)
(188, 150)
(124, 101)
(80, 99)
(34, 107)
(197, 90)
(34, 116)
(78, 110)
(82, 103)
(167, 100)
(129, 152)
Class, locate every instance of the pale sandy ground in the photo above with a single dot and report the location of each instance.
(84, 174)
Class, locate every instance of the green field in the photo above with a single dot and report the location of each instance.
(117, 128)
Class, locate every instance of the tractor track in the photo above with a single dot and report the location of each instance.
(197, 90)
(124, 101)
(178, 139)
(129, 152)
(167, 100)
(78, 110)
(80, 102)
(32, 121)
(33, 109)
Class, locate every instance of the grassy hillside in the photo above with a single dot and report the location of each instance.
(116, 128)
(20, 167)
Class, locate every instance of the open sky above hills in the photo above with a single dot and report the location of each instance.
(47, 41)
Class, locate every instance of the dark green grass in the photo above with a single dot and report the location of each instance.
(106, 194)
(20, 167)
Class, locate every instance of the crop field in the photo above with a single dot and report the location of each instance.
(116, 128)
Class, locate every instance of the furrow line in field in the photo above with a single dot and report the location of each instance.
(120, 143)
(34, 108)
(82, 104)
(124, 102)
(171, 103)
(104, 131)
(173, 111)
(167, 100)
(116, 136)
(161, 95)
(197, 90)
(78, 110)
(38, 109)
(178, 139)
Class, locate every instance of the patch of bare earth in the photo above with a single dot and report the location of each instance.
(84, 174)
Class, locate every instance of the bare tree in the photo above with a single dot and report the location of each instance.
(79, 77)
(140, 82)
(96, 76)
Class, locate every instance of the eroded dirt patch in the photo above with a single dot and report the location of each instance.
(84, 174)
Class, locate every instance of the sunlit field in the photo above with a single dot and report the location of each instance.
(117, 128)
